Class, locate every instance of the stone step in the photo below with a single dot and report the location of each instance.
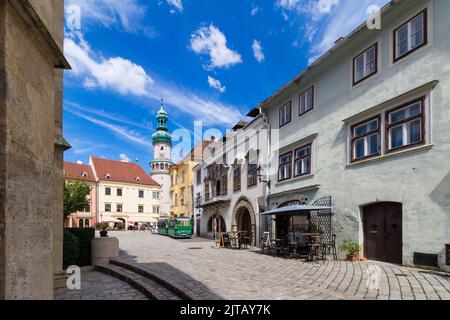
(174, 280)
(150, 288)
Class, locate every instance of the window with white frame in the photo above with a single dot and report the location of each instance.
(365, 64)
(140, 209)
(366, 138)
(405, 125)
(302, 162)
(306, 101)
(285, 114)
(395, 129)
(285, 167)
(410, 36)
(155, 210)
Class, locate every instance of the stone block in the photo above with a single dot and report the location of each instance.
(104, 249)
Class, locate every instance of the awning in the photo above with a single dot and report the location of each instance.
(297, 210)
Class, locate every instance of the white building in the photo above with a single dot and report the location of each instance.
(368, 124)
(228, 191)
(160, 166)
(125, 193)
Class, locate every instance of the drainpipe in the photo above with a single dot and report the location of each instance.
(269, 140)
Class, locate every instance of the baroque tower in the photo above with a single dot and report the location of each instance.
(161, 164)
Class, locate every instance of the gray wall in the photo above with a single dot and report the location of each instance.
(420, 179)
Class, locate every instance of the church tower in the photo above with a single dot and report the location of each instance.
(162, 144)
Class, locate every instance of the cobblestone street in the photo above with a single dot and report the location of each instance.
(233, 274)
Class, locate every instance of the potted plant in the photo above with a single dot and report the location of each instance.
(351, 249)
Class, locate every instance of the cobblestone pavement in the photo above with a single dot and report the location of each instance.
(98, 286)
(235, 274)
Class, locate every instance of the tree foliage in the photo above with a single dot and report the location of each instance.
(75, 196)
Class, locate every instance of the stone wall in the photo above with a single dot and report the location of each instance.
(2, 150)
(31, 166)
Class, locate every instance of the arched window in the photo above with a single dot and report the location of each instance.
(86, 223)
(80, 223)
(162, 148)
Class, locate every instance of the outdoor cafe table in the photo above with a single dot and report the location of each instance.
(312, 241)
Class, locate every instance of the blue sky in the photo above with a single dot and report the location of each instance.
(211, 61)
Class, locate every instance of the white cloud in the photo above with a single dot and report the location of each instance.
(126, 14)
(123, 157)
(258, 51)
(79, 162)
(121, 132)
(177, 4)
(117, 73)
(255, 9)
(214, 83)
(211, 41)
(325, 21)
(127, 78)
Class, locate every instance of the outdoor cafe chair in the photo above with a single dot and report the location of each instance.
(328, 247)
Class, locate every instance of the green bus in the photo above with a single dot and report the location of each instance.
(177, 228)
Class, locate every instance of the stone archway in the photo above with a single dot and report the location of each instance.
(244, 218)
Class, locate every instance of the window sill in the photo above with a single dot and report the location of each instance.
(295, 179)
(391, 155)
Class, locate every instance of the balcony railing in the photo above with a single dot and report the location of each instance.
(210, 199)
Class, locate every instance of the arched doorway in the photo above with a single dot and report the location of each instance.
(383, 234)
(217, 224)
(80, 223)
(244, 219)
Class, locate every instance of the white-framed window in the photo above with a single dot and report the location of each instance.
(285, 114)
(366, 138)
(395, 129)
(119, 208)
(285, 167)
(365, 64)
(155, 210)
(306, 101)
(141, 193)
(107, 207)
(302, 162)
(140, 209)
(410, 36)
(405, 125)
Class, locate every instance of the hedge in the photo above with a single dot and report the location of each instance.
(84, 236)
(71, 249)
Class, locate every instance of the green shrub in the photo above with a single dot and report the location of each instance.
(71, 249)
(84, 236)
(101, 225)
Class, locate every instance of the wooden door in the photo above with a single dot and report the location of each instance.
(383, 232)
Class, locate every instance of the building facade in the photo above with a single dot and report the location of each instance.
(87, 217)
(162, 163)
(229, 191)
(368, 125)
(182, 182)
(126, 193)
(31, 147)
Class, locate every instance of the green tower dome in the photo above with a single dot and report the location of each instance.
(162, 134)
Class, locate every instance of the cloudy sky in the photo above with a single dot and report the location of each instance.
(211, 60)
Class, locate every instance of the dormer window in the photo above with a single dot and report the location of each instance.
(108, 176)
(84, 175)
(138, 179)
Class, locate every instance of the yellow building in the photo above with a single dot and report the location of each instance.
(182, 182)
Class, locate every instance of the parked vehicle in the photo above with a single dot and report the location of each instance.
(177, 228)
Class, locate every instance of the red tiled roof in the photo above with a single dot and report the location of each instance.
(121, 172)
(76, 171)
